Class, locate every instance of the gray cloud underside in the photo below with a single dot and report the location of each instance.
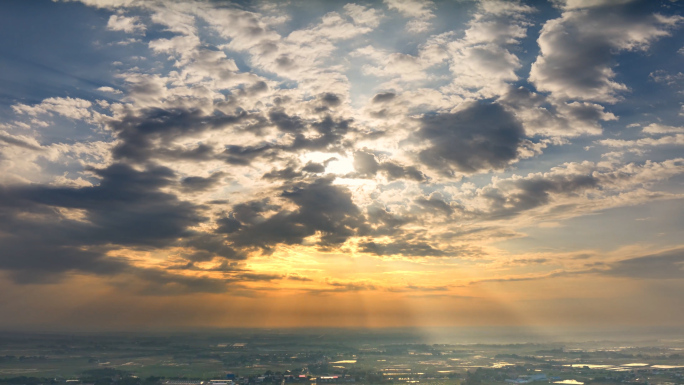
(479, 137)
(126, 209)
(367, 165)
(666, 265)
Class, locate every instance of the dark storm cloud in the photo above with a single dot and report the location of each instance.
(321, 207)
(367, 165)
(666, 265)
(479, 137)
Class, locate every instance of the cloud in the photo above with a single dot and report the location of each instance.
(162, 283)
(645, 142)
(384, 97)
(73, 108)
(419, 11)
(565, 189)
(665, 265)
(513, 196)
(198, 183)
(297, 277)
(73, 229)
(20, 141)
(126, 208)
(150, 132)
(321, 208)
(80, 224)
(125, 23)
(338, 286)
(288, 173)
(577, 50)
(482, 59)
(435, 203)
(110, 4)
(363, 15)
(366, 165)
(662, 76)
(417, 249)
(579, 4)
(327, 134)
(412, 8)
(655, 128)
(543, 116)
(241, 146)
(32, 259)
(479, 137)
(110, 90)
(402, 66)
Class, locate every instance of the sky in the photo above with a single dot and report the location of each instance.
(169, 165)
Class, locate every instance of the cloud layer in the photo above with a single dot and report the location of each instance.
(381, 149)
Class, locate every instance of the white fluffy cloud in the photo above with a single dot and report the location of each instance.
(73, 108)
(655, 128)
(420, 11)
(125, 23)
(482, 60)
